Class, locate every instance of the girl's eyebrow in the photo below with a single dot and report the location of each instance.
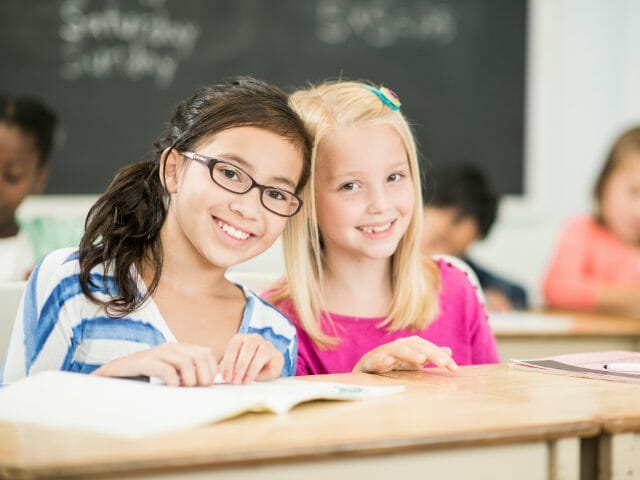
(232, 157)
(351, 173)
(355, 173)
(400, 164)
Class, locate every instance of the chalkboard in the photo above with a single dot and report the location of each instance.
(114, 69)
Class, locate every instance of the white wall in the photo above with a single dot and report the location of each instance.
(583, 88)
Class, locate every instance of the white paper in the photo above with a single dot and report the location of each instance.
(132, 409)
(585, 365)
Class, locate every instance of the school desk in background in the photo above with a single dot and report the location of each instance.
(538, 334)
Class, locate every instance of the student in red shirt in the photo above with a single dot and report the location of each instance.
(596, 263)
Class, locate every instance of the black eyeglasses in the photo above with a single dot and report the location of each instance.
(235, 180)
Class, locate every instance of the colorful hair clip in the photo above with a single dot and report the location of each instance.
(387, 96)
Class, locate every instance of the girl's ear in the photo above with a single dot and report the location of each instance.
(170, 166)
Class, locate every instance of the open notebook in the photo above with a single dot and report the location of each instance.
(132, 409)
(586, 365)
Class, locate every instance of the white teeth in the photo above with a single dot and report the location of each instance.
(240, 235)
(381, 228)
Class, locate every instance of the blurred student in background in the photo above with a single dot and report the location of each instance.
(460, 209)
(596, 263)
(26, 138)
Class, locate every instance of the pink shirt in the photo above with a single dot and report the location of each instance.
(588, 257)
(461, 325)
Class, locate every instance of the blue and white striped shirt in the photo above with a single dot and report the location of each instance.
(58, 328)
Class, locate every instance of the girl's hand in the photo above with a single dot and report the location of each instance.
(410, 353)
(250, 357)
(176, 364)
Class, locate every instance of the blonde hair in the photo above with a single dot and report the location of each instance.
(415, 280)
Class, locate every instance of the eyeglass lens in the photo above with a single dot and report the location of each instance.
(235, 180)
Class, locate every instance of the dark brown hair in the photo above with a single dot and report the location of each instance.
(34, 118)
(122, 227)
(629, 141)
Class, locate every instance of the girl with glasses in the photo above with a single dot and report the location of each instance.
(145, 294)
(358, 289)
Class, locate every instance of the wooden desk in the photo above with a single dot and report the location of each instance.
(583, 333)
(619, 446)
(487, 422)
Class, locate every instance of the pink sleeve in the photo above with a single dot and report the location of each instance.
(483, 341)
(566, 284)
(463, 320)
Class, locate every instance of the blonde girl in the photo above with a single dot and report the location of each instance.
(358, 289)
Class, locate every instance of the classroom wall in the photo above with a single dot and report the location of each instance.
(583, 74)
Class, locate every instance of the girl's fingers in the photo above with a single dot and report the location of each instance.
(440, 356)
(138, 364)
(383, 363)
(379, 361)
(173, 363)
(165, 372)
(183, 364)
(409, 354)
(447, 350)
(261, 358)
(227, 366)
(206, 366)
(245, 358)
(273, 368)
(248, 358)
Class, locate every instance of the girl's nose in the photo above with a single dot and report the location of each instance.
(378, 200)
(247, 205)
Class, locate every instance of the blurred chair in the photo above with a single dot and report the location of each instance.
(10, 296)
(254, 281)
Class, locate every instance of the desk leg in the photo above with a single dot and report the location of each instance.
(564, 459)
(619, 456)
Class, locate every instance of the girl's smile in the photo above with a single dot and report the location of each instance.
(364, 192)
(378, 230)
(220, 226)
(232, 233)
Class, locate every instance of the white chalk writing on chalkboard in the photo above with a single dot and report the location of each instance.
(382, 23)
(136, 44)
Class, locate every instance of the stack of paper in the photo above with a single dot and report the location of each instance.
(620, 366)
(132, 409)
